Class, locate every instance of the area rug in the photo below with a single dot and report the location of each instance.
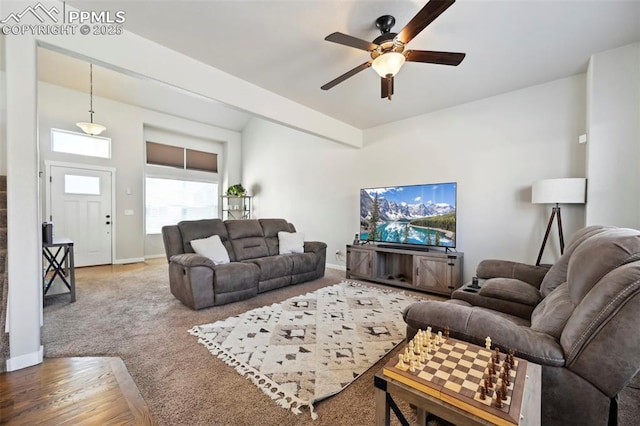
(310, 347)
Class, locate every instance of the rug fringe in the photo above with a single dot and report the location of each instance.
(268, 387)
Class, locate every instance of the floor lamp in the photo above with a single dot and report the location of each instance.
(557, 191)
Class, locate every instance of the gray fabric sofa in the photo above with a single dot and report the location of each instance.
(583, 331)
(256, 265)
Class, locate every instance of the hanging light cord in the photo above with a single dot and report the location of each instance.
(91, 91)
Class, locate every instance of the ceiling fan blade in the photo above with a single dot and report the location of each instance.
(427, 15)
(346, 75)
(386, 85)
(351, 41)
(431, 57)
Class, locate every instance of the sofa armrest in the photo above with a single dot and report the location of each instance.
(511, 290)
(190, 260)
(495, 268)
(314, 246)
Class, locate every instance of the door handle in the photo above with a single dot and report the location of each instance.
(108, 223)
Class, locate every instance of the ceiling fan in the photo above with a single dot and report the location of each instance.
(388, 52)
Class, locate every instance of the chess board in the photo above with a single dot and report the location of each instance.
(454, 371)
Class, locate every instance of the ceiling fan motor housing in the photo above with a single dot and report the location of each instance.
(386, 41)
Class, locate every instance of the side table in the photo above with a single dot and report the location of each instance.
(63, 268)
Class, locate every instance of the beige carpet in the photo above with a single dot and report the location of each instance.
(128, 311)
(131, 314)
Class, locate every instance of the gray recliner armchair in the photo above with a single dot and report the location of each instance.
(584, 331)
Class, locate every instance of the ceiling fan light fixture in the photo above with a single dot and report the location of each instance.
(388, 63)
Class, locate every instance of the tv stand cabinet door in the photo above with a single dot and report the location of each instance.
(359, 262)
(434, 274)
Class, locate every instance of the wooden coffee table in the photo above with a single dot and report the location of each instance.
(447, 386)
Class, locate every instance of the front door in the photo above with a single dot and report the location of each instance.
(81, 210)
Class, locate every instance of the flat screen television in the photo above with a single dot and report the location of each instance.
(423, 215)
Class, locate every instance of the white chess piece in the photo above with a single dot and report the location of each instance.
(439, 337)
(412, 366)
(400, 361)
(487, 343)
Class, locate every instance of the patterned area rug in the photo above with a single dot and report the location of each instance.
(310, 347)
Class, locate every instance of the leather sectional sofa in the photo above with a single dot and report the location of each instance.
(579, 320)
(255, 263)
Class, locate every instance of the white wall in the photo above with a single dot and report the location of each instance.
(494, 149)
(613, 190)
(304, 179)
(61, 108)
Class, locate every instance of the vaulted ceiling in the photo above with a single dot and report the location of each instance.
(279, 45)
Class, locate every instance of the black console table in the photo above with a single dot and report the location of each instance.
(62, 268)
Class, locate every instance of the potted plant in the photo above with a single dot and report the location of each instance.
(236, 190)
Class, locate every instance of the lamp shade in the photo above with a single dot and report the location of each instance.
(388, 63)
(552, 191)
(92, 129)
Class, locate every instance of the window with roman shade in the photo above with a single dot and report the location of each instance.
(180, 184)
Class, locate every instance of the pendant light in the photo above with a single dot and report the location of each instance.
(91, 128)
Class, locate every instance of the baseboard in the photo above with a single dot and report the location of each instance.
(338, 267)
(154, 256)
(125, 261)
(26, 360)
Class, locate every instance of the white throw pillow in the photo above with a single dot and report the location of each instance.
(212, 248)
(290, 242)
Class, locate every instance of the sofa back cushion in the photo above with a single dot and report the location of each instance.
(247, 239)
(552, 314)
(270, 229)
(558, 272)
(598, 256)
(199, 229)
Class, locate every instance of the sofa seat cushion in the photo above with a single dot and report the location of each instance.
(235, 276)
(303, 262)
(272, 267)
(511, 290)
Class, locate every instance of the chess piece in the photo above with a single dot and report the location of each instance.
(503, 391)
(400, 363)
(483, 393)
(505, 379)
(412, 366)
(487, 382)
(439, 337)
(497, 355)
(498, 399)
(487, 343)
(446, 333)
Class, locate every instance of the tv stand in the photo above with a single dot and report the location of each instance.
(405, 247)
(432, 271)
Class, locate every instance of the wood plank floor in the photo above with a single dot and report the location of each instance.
(72, 391)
